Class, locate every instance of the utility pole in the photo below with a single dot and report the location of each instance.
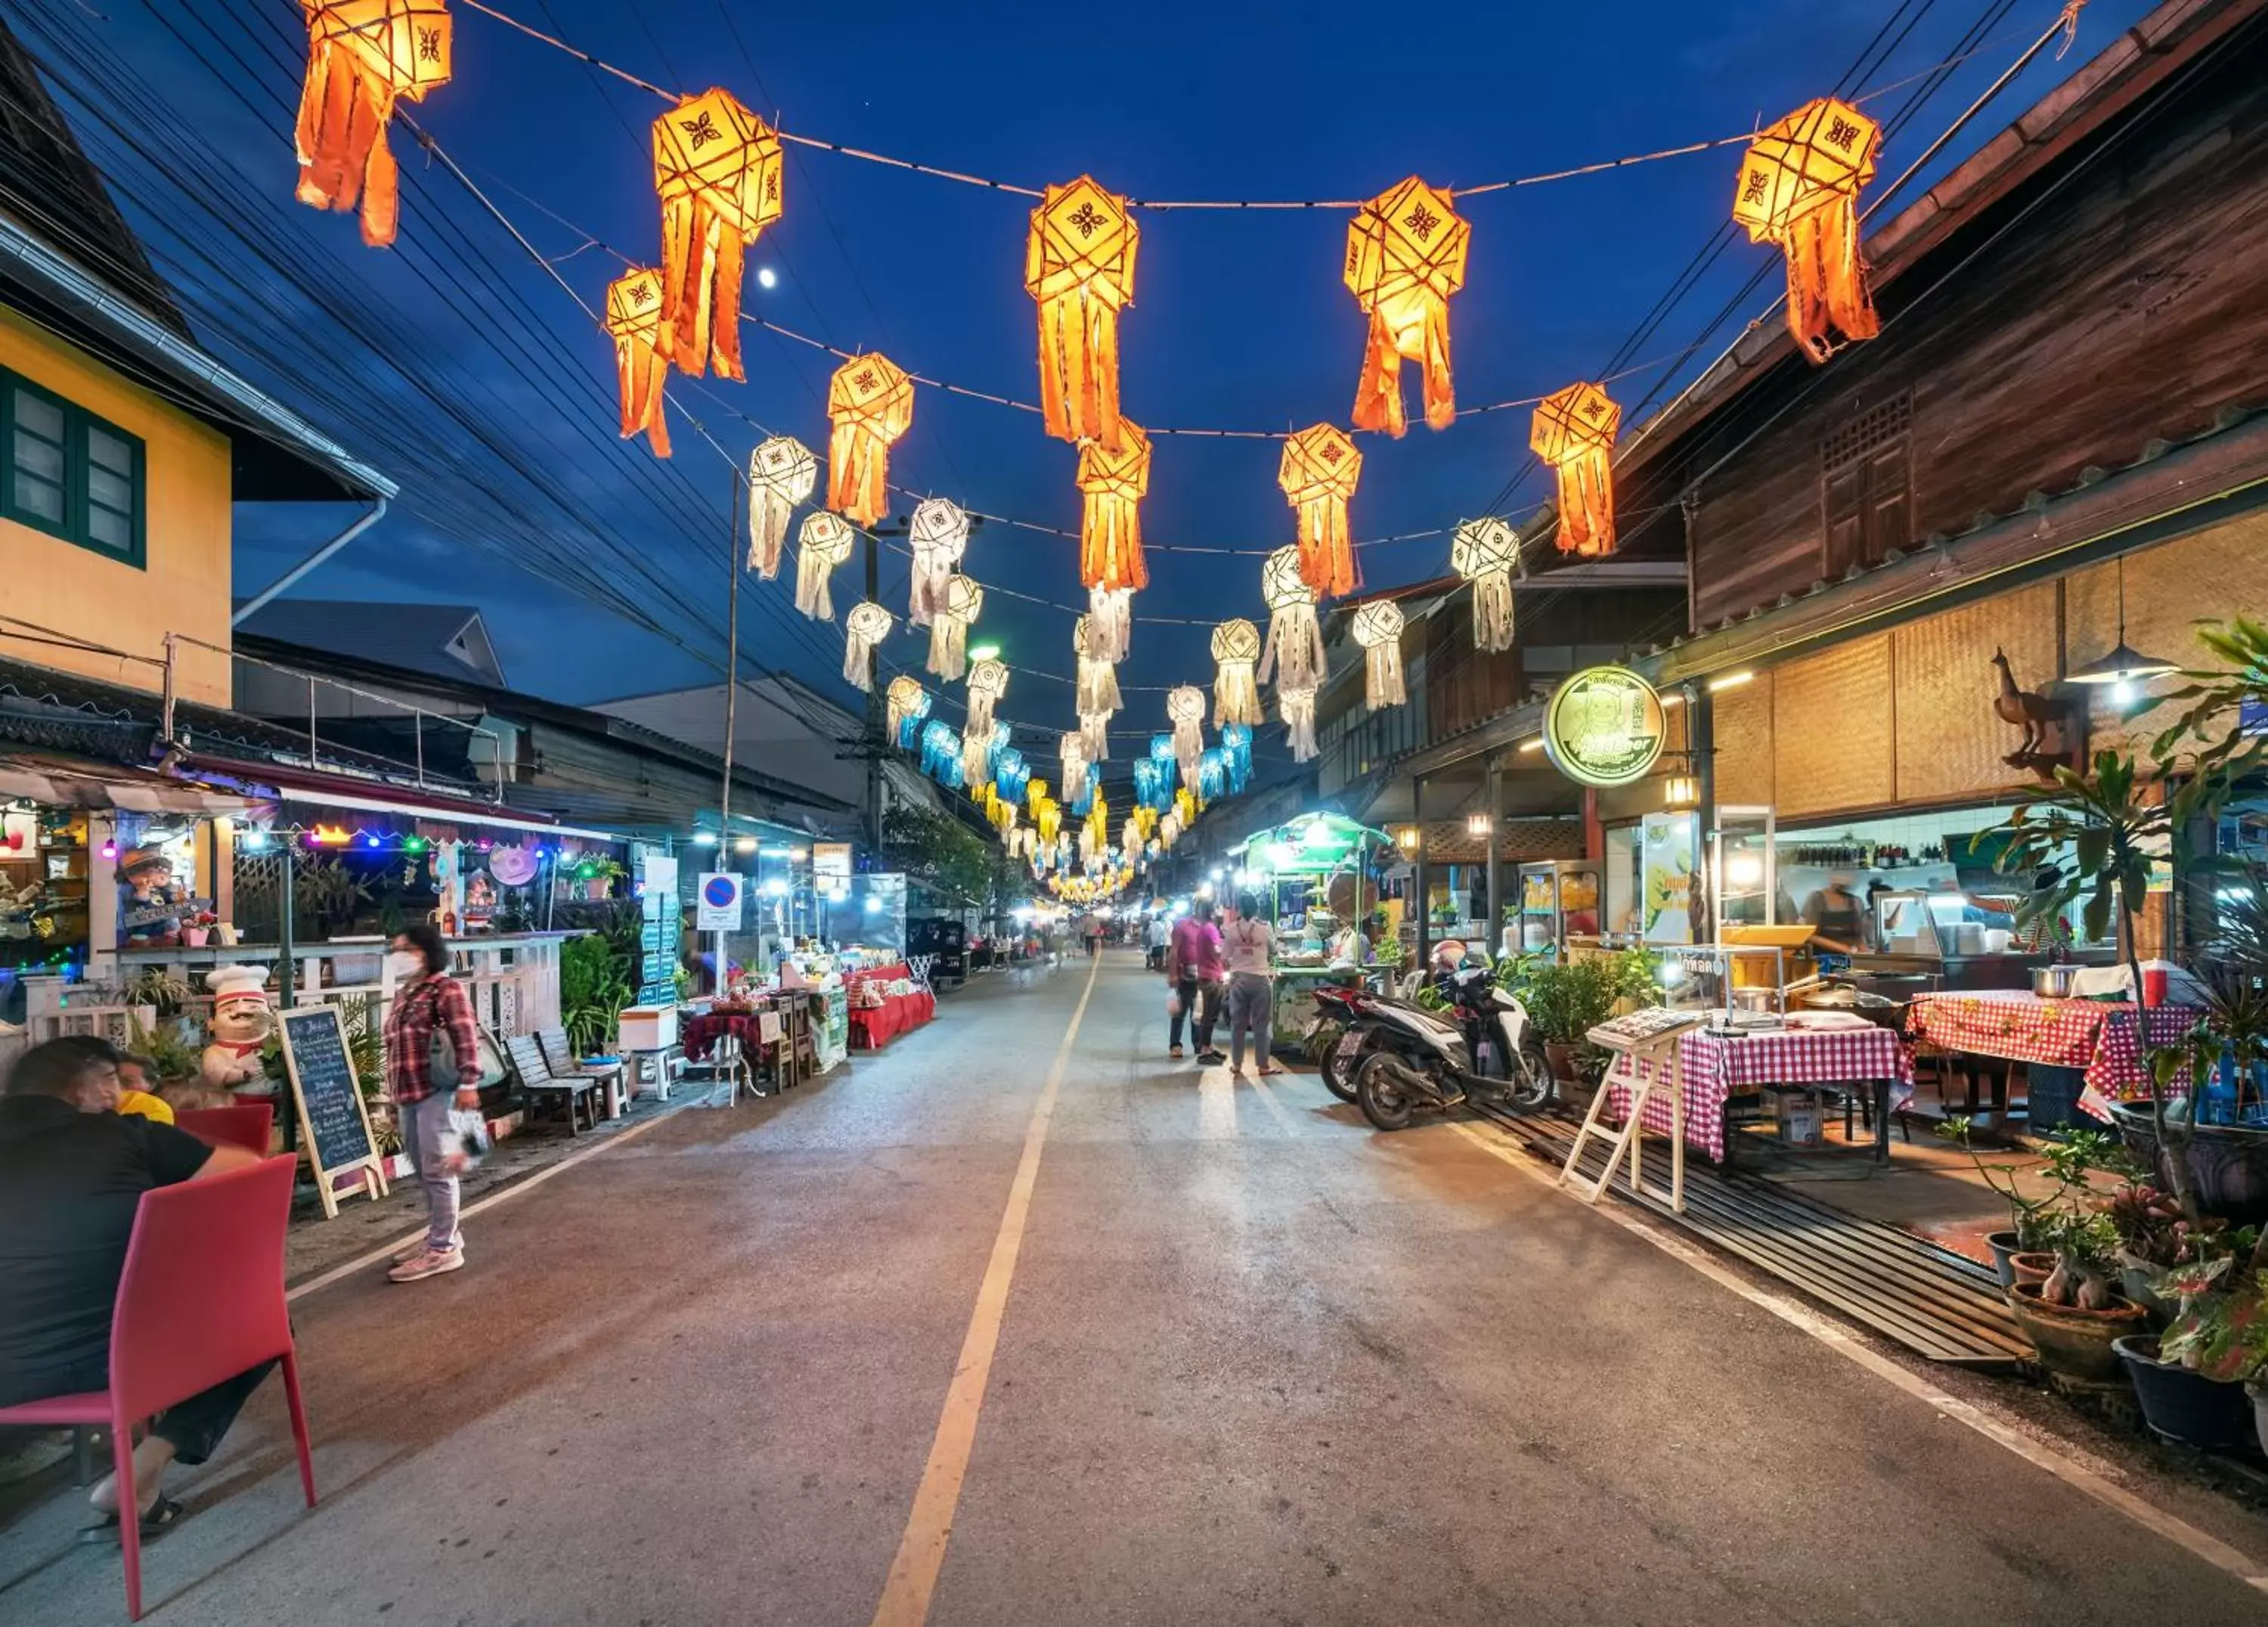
(876, 743)
(732, 695)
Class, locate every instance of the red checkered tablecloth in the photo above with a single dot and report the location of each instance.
(1710, 1069)
(2096, 1036)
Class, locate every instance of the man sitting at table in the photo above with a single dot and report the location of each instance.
(71, 1173)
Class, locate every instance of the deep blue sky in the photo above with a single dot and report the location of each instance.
(1241, 319)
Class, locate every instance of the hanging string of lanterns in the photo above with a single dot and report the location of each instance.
(718, 180)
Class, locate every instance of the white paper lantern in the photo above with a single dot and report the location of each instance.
(782, 474)
(1185, 709)
(1073, 753)
(1297, 708)
(1295, 638)
(960, 603)
(1095, 729)
(938, 536)
(1110, 621)
(1485, 552)
(866, 626)
(824, 542)
(1378, 629)
(988, 682)
(905, 698)
(1235, 695)
(1097, 686)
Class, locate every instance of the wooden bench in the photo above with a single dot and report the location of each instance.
(576, 1091)
(560, 1057)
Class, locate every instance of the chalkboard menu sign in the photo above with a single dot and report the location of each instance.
(333, 1126)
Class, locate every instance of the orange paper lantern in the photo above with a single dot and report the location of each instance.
(717, 168)
(1574, 432)
(1798, 189)
(362, 57)
(1110, 531)
(1078, 264)
(1405, 256)
(633, 318)
(871, 404)
(1320, 470)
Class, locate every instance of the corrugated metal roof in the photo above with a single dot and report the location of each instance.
(415, 637)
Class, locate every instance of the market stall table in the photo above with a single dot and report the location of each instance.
(2096, 1037)
(875, 1026)
(1712, 1068)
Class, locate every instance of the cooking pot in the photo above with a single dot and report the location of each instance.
(2054, 983)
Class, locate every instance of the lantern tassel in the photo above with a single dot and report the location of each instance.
(1586, 503)
(643, 373)
(948, 647)
(769, 514)
(1298, 709)
(1078, 367)
(812, 571)
(1295, 640)
(1826, 282)
(344, 110)
(1492, 623)
(1381, 672)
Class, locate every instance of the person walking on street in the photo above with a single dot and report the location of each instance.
(1157, 936)
(1195, 968)
(1249, 947)
(432, 1066)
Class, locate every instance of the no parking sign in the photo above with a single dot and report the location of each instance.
(719, 909)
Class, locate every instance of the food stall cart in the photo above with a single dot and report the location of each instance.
(1300, 867)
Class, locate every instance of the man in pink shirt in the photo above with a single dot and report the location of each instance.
(1194, 967)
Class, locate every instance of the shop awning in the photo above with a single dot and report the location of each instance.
(1313, 845)
(67, 783)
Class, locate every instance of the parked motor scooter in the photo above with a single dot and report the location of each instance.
(1393, 1056)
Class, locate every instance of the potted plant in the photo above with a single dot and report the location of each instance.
(2194, 1380)
(197, 927)
(2071, 1158)
(2074, 1316)
(1565, 1001)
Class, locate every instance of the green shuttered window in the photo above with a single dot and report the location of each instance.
(70, 473)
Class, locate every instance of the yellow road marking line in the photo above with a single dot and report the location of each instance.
(1276, 1109)
(921, 1552)
(2200, 1544)
(1216, 1106)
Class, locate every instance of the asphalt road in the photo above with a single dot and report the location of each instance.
(1253, 1363)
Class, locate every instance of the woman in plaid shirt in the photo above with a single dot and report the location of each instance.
(429, 1005)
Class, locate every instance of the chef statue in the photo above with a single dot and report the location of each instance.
(241, 1023)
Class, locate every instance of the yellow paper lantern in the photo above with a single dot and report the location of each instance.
(363, 56)
(871, 404)
(641, 364)
(1485, 552)
(1798, 189)
(823, 543)
(1113, 482)
(1235, 695)
(1574, 432)
(717, 170)
(1405, 256)
(1319, 472)
(1078, 264)
(1378, 629)
(905, 699)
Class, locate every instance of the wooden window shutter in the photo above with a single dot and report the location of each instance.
(1866, 487)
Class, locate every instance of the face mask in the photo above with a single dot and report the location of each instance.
(406, 965)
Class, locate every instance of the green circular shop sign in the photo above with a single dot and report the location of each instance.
(1604, 727)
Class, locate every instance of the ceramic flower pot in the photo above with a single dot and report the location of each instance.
(2030, 1267)
(2004, 1245)
(2074, 1343)
(194, 936)
(2227, 1164)
(1562, 1058)
(2260, 1394)
(2185, 1406)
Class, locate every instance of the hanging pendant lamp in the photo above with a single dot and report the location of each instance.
(2124, 666)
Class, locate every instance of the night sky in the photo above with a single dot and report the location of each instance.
(1240, 320)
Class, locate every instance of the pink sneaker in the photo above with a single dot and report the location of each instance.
(433, 1263)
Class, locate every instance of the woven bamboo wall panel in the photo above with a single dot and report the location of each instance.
(1949, 741)
(1831, 730)
(1744, 742)
(2211, 576)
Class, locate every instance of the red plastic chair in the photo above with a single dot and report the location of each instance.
(249, 1124)
(201, 1299)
